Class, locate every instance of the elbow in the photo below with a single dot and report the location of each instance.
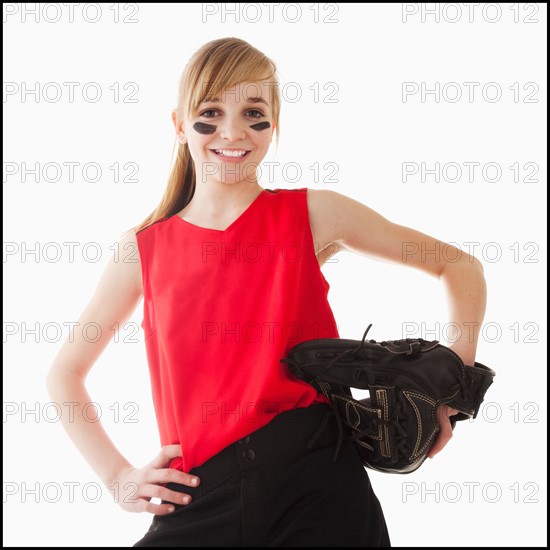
(59, 383)
(476, 264)
(463, 262)
(53, 382)
(464, 259)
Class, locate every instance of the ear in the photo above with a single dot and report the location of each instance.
(178, 126)
(175, 119)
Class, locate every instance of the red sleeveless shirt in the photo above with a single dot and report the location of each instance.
(221, 308)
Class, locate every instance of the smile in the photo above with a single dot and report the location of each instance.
(231, 153)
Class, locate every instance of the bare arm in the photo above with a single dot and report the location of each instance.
(115, 298)
(352, 226)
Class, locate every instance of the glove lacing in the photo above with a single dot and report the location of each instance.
(341, 437)
(400, 435)
(349, 351)
(334, 409)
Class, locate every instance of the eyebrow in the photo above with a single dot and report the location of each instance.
(247, 99)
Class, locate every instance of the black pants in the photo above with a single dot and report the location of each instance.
(270, 490)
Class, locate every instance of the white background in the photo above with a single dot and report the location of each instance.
(488, 487)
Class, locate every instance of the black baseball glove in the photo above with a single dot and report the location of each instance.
(407, 380)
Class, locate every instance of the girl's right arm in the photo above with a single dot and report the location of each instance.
(114, 300)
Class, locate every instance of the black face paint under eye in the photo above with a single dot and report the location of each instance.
(261, 126)
(203, 128)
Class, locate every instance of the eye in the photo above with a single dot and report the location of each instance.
(255, 113)
(210, 111)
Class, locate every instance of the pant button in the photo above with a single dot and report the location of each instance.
(245, 441)
(249, 455)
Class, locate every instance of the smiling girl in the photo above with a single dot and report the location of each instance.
(230, 277)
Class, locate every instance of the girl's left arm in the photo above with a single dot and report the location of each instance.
(347, 224)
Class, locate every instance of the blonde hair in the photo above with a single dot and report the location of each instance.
(214, 68)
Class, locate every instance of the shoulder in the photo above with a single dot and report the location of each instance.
(322, 199)
(335, 208)
(338, 219)
(128, 258)
(133, 251)
(326, 209)
(330, 213)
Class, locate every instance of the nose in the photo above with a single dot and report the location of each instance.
(232, 130)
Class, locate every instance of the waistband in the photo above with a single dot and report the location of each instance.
(288, 435)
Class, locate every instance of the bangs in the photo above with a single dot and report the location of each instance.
(224, 68)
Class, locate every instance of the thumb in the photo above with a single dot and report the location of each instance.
(445, 429)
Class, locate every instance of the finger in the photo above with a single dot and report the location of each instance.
(171, 475)
(445, 433)
(167, 453)
(150, 491)
(436, 447)
(163, 509)
(158, 509)
(164, 494)
(176, 497)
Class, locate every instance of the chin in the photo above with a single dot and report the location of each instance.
(234, 173)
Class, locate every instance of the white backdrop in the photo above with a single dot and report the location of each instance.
(432, 114)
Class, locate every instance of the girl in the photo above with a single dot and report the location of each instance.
(231, 281)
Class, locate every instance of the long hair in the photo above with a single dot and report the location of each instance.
(214, 68)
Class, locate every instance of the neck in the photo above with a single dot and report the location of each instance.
(222, 199)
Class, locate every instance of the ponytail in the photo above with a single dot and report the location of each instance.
(179, 191)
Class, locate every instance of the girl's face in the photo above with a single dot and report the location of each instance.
(230, 135)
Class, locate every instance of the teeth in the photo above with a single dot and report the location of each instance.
(226, 153)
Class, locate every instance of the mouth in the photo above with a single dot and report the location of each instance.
(231, 153)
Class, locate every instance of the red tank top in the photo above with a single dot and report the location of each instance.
(221, 308)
